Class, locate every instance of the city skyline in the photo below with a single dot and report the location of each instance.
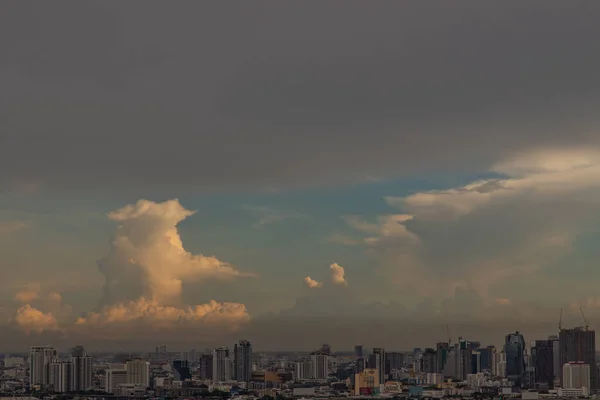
(205, 173)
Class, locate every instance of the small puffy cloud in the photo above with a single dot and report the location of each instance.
(31, 319)
(147, 257)
(502, 301)
(29, 293)
(311, 283)
(337, 274)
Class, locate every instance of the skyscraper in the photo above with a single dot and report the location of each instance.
(60, 375)
(320, 365)
(243, 361)
(39, 358)
(514, 348)
(358, 351)
(205, 366)
(378, 361)
(543, 361)
(81, 376)
(221, 370)
(579, 344)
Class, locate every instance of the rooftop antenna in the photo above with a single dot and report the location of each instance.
(586, 326)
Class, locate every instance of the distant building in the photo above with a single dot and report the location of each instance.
(377, 361)
(114, 378)
(39, 358)
(358, 351)
(205, 366)
(514, 348)
(542, 354)
(59, 376)
(181, 371)
(576, 375)
(81, 377)
(320, 365)
(138, 372)
(221, 370)
(366, 382)
(243, 361)
(579, 344)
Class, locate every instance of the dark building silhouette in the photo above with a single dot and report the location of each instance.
(242, 354)
(181, 370)
(543, 361)
(579, 344)
(205, 366)
(394, 359)
(429, 361)
(514, 348)
(441, 350)
(358, 351)
(486, 355)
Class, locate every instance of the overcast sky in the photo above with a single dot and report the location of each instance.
(203, 165)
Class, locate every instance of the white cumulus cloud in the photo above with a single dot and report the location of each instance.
(31, 319)
(337, 274)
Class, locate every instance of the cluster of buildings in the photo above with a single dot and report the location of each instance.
(562, 366)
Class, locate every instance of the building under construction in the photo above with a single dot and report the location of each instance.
(579, 344)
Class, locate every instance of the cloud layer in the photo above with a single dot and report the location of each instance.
(491, 233)
(288, 105)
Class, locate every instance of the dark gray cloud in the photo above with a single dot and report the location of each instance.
(216, 94)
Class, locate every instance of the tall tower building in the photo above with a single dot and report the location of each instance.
(358, 351)
(138, 372)
(59, 375)
(514, 349)
(81, 377)
(542, 354)
(378, 362)
(579, 344)
(39, 358)
(221, 365)
(320, 365)
(243, 361)
(556, 367)
(205, 366)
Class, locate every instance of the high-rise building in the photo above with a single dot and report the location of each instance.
(221, 365)
(542, 354)
(181, 371)
(514, 348)
(429, 361)
(320, 365)
(358, 351)
(475, 362)
(205, 366)
(441, 351)
(378, 362)
(556, 367)
(59, 375)
(138, 372)
(486, 357)
(304, 370)
(243, 361)
(325, 349)
(463, 349)
(81, 377)
(579, 344)
(114, 378)
(394, 360)
(576, 375)
(39, 358)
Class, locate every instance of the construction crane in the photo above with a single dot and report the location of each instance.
(449, 338)
(586, 326)
(560, 321)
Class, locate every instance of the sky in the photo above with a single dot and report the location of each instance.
(297, 173)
